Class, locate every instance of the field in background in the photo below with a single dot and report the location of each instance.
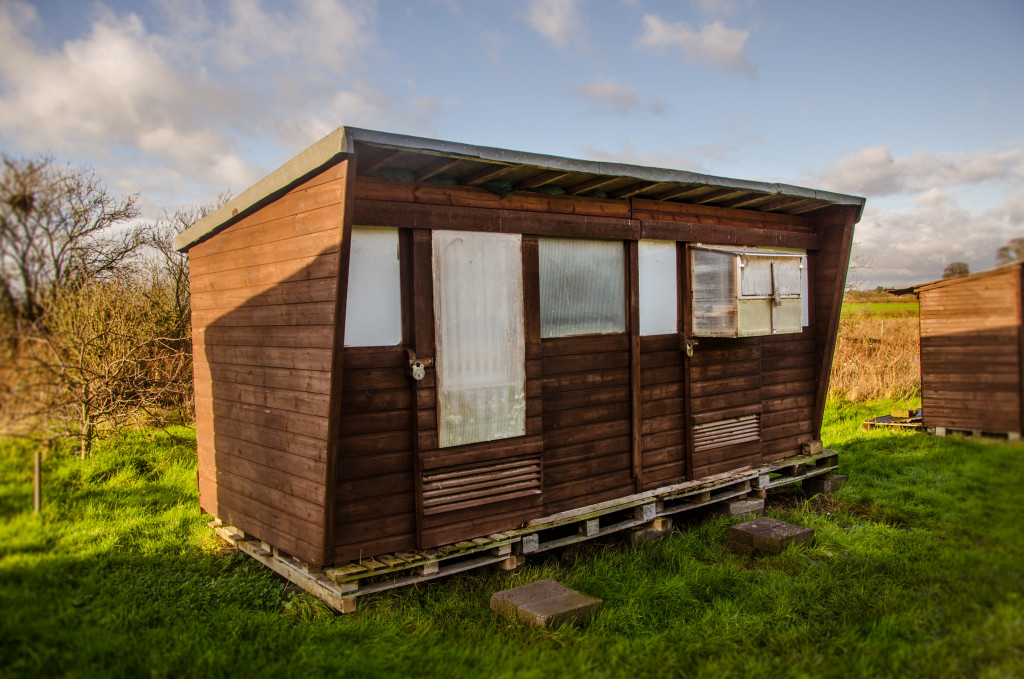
(877, 349)
(917, 570)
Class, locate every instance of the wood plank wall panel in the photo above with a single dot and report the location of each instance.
(375, 501)
(725, 383)
(828, 269)
(263, 329)
(661, 407)
(970, 353)
(587, 420)
(788, 388)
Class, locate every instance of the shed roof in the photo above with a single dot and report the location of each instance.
(471, 165)
(967, 277)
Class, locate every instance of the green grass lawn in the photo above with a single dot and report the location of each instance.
(917, 570)
(880, 308)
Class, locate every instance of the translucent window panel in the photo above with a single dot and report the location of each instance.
(762, 275)
(582, 286)
(713, 281)
(658, 297)
(373, 310)
(788, 317)
(755, 317)
(481, 345)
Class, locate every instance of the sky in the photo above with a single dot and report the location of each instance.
(917, 106)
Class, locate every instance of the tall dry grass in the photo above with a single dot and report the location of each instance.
(877, 356)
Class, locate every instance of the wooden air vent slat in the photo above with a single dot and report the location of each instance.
(448, 491)
(728, 432)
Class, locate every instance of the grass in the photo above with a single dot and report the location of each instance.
(880, 308)
(917, 570)
(877, 352)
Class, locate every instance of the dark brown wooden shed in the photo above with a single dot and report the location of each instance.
(402, 342)
(972, 372)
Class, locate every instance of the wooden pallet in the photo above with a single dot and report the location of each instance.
(339, 586)
(975, 433)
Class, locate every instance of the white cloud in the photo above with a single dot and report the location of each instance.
(714, 43)
(912, 241)
(559, 21)
(607, 95)
(913, 244)
(874, 171)
(110, 87)
(187, 106)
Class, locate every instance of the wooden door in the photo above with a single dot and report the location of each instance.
(478, 453)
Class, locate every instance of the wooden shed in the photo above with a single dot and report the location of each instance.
(972, 372)
(403, 342)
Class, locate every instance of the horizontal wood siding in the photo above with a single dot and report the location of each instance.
(263, 329)
(375, 500)
(661, 408)
(971, 353)
(788, 387)
(587, 420)
(725, 384)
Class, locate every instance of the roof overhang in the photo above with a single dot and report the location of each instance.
(471, 165)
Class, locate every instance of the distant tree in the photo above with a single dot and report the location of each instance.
(1011, 252)
(59, 227)
(956, 269)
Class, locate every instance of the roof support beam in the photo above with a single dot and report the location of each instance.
(542, 178)
(630, 190)
(489, 171)
(436, 168)
(590, 184)
(367, 168)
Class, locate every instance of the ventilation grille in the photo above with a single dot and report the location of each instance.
(448, 491)
(727, 432)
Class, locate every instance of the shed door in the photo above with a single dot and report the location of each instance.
(479, 470)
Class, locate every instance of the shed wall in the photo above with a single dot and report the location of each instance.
(580, 401)
(971, 353)
(263, 318)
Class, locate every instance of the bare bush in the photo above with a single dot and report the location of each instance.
(876, 356)
(59, 227)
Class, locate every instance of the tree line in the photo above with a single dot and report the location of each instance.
(95, 322)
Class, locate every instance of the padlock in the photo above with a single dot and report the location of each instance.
(418, 371)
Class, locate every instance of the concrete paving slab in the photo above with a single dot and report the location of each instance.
(765, 534)
(545, 603)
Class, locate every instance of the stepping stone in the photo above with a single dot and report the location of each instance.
(545, 603)
(767, 535)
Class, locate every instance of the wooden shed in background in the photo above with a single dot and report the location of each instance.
(972, 344)
(403, 342)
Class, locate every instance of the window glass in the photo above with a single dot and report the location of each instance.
(481, 344)
(582, 286)
(658, 299)
(373, 311)
(714, 293)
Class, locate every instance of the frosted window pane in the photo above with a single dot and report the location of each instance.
(756, 277)
(658, 300)
(481, 345)
(787, 316)
(787, 276)
(755, 317)
(373, 312)
(582, 286)
(805, 316)
(760, 273)
(713, 278)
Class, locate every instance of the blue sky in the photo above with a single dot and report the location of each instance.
(915, 105)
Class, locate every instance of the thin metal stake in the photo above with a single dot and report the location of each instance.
(37, 480)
